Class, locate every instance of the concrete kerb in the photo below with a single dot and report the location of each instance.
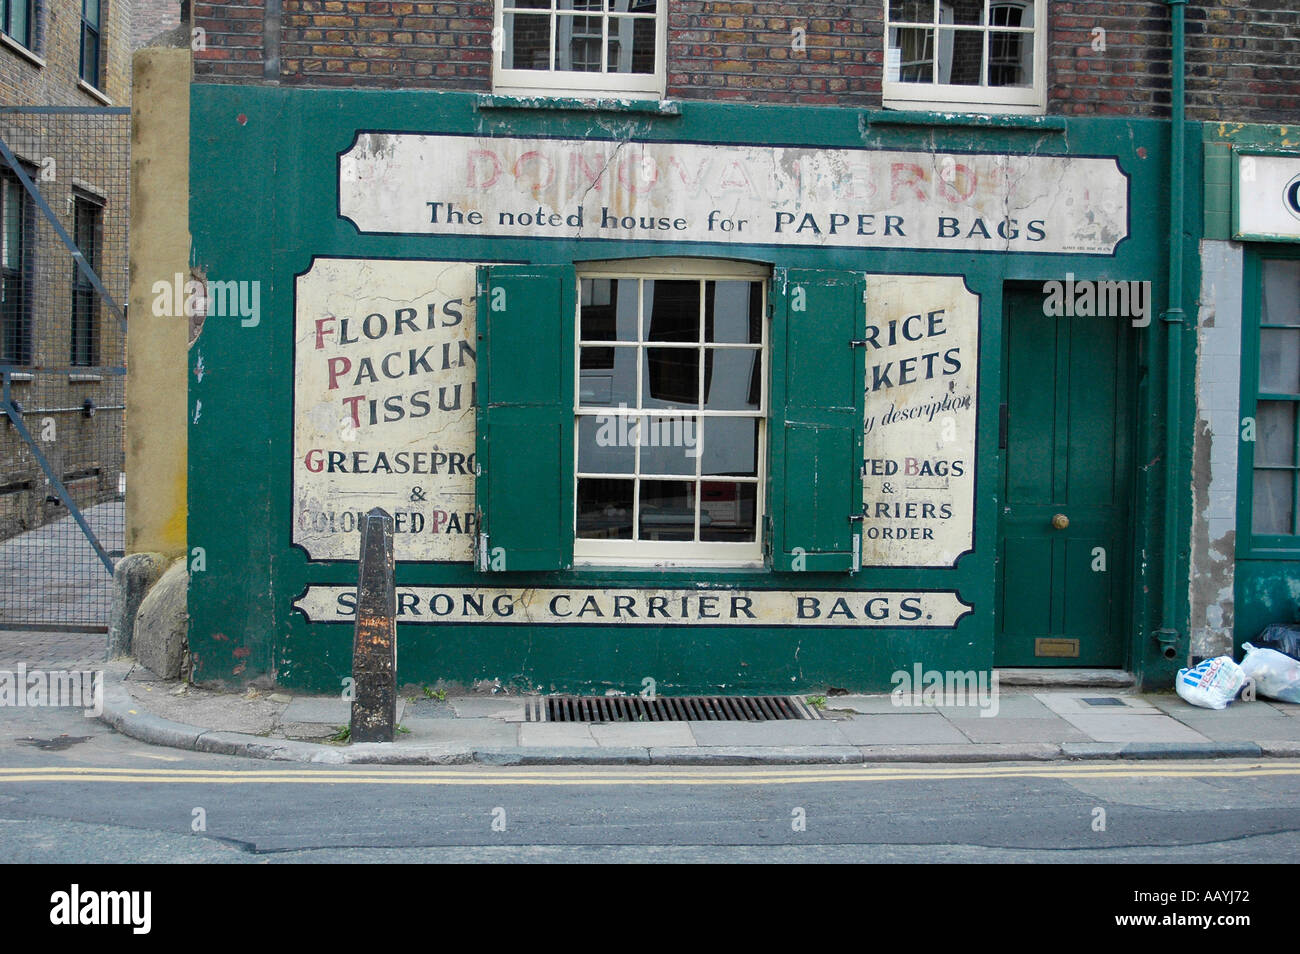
(124, 714)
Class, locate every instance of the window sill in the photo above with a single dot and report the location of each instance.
(92, 91)
(679, 566)
(609, 103)
(21, 377)
(979, 118)
(84, 378)
(7, 41)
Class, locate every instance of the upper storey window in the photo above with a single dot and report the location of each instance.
(966, 55)
(580, 47)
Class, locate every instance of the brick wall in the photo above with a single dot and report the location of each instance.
(151, 17)
(1243, 61)
(747, 51)
(1240, 60)
(1130, 76)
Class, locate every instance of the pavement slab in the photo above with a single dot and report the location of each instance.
(775, 733)
(1020, 730)
(924, 729)
(1134, 728)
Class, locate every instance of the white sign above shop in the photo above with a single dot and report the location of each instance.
(732, 194)
(1266, 197)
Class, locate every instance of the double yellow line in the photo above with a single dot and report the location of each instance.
(639, 775)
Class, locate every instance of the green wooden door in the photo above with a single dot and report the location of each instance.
(1064, 529)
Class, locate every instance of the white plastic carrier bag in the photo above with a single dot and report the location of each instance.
(1276, 675)
(1211, 683)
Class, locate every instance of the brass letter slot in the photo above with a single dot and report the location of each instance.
(1060, 648)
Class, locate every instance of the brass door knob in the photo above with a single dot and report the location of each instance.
(1060, 522)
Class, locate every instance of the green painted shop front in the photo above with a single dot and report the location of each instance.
(1068, 416)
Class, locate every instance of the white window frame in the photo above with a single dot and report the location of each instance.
(570, 83)
(948, 97)
(676, 553)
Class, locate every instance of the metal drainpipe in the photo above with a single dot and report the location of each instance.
(1167, 636)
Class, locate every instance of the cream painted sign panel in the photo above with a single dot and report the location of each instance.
(922, 376)
(384, 403)
(1268, 197)
(764, 195)
(931, 609)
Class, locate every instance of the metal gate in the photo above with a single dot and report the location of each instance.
(64, 180)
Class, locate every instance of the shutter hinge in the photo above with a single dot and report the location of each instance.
(859, 343)
(854, 520)
(767, 536)
(482, 552)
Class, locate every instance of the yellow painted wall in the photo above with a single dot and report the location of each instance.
(156, 344)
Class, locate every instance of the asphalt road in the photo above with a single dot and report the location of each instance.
(73, 791)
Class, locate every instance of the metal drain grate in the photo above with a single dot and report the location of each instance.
(1104, 701)
(668, 709)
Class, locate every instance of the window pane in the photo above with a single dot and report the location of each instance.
(912, 11)
(90, 12)
(631, 45)
(608, 377)
(667, 510)
(1011, 13)
(90, 56)
(17, 28)
(967, 12)
(670, 445)
(961, 55)
(672, 310)
(1279, 360)
(1281, 293)
(528, 42)
(607, 444)
(1274, 498)
(672, 378)
(578, 49)
(605, 509)
(730, 447)
(527, 4)
(1275, 436)
(915, 56)
(598, 317)
(608, 309)
(1011, 59)
(727, 512)
(733, 312)
(13, 223)
(732, 379)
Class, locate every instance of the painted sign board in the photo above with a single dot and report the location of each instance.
(384, 400)
(922, 380)
(736, 194)
(1266, 197)
(541, 606)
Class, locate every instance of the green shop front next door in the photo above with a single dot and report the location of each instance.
(1064, 529)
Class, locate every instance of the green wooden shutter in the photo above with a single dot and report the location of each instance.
(524, 490)
(818, 393)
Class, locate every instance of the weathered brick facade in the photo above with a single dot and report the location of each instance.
(1240, 60)
(57, 42)
(152, 17)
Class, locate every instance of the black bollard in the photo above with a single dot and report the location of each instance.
(374, 647)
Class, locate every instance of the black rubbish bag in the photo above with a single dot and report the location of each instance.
(1284, 637)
